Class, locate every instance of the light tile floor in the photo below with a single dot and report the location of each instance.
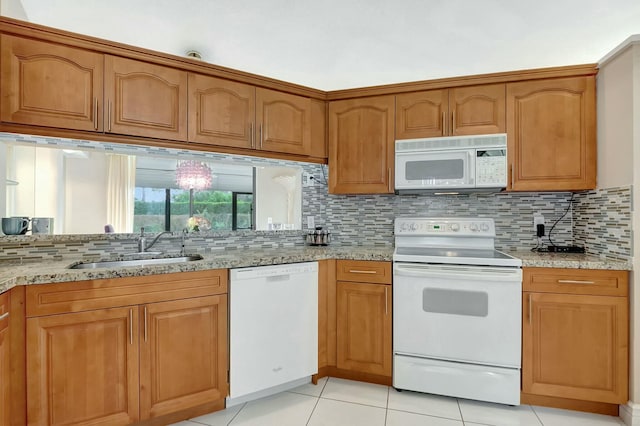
(338, 402)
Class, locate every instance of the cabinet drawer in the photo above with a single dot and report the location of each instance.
(364, 271)
(576, 281)
(78, 296)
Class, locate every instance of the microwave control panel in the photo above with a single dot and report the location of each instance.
(491, 170)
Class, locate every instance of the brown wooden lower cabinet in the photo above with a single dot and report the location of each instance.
(364, 327)
(355, 320)
(575, 343)
(121, 365)
(183, 354)
(5, 357)
(82, 368)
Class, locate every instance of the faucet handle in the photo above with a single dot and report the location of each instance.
(142, 231)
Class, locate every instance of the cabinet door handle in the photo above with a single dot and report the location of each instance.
(530, 309)
(109, 116)
(575, 282)
(252, 141)
(261, 139)
(386, 301)
(131, 326)
(444, 123)
(3, 316)
(389, 180)
(95, 114)
(358, 271)
(145, 323)
(453, 122)
(510, 185)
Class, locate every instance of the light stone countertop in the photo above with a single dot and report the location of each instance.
(39, 272)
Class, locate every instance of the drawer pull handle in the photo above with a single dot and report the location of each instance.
(575, 282)
(3, 316)
(444, 125)
(357, 271)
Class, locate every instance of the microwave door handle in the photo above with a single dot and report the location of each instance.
(471, 161)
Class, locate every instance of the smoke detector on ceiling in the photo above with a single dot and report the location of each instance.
(194, 54)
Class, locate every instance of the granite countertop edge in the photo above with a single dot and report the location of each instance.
(47, 272)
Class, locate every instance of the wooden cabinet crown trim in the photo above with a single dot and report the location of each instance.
(44, 33)
(41, 32)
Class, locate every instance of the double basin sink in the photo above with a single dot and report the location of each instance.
(135, 262)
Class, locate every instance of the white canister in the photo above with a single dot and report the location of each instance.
(42, 225)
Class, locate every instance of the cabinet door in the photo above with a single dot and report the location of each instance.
(575, 347)
(551, 134)
(477, 110)
(82, 368)
(145, 99)
(221, 112)
(284, 122)
(364, 327)
(183, 354)
(361, 145)
(422, 114)
(5, 356)
(46, 84)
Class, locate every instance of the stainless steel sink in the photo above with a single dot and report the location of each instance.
(135, 262)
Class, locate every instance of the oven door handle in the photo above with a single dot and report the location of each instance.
(476, 273)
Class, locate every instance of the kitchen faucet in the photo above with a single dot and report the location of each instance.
(142, 240)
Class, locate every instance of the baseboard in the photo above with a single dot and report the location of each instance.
(630, 413)
(332, 371)
(570, 404)
(231, 401)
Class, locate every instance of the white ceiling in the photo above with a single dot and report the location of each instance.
(336, 44)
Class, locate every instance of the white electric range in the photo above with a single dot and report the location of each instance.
(456, 310)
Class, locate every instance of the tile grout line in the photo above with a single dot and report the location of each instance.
(386, 411)
(317, 401)
(460, 411)
(236, 415)
(536, 414)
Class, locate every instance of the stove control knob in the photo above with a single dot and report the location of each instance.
(473, 227)
(485, 227)
(455, 227)
(414, 226)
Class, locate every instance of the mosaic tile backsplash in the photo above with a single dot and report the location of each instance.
(600, 220)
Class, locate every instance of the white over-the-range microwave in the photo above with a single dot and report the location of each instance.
(457, 164)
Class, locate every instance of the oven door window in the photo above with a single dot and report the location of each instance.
(436, 169)
(455, 302)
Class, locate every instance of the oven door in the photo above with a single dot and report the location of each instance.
(458, 313)
(435, 169)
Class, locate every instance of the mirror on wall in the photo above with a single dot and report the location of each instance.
(89, 191)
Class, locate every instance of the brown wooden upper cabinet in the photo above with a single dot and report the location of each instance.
(551, 134)
(46, 84)
(221, 112)
(144, 99)
(471, 110)
(283, 122)
(361, 147)
(231, 114)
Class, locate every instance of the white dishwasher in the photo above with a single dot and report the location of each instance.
(273, 328)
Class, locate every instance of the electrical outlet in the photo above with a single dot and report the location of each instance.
(307, 180)
(311, 223)
(538, 219)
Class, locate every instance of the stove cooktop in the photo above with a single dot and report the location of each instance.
(460, 256)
